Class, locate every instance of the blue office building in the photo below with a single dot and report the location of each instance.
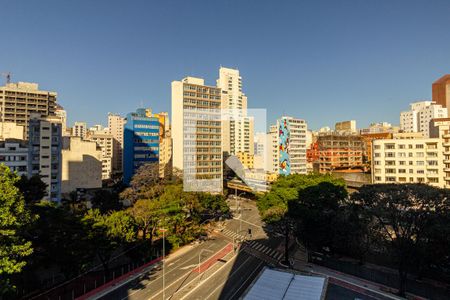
(141, 142)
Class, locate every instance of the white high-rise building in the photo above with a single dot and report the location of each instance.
(287, 146)
(106, 143)
(44, 157)
(197, 134)
(62, 114)
(418, 118)
(272, 150)
(79, 129)
(115, 126)
(239, 129)
(297, 143)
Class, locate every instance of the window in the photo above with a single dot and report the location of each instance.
(390, 146)
(389, 154)
(419, 146)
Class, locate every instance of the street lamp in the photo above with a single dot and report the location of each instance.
(163, 230)
(199, 257)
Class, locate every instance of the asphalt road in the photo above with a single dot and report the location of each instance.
(226, 279)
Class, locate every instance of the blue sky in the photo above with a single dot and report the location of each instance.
(323, 61)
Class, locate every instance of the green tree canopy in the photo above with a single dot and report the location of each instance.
(33, 188)
(13, 217)
(405, 216)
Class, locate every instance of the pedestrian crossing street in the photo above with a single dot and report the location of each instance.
(254, 245)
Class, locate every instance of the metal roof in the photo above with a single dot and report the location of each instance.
(274, 284)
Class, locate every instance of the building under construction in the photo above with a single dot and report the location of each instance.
(338, 151)
(19, 100)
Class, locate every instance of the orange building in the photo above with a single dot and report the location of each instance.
(339, 152)
(441, 91)
(368, 138)
(312, 153)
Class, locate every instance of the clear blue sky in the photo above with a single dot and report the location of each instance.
(323, 61)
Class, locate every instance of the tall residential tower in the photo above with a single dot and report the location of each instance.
(238, 127)
(197, 134)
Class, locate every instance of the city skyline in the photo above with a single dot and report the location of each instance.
(379, 56)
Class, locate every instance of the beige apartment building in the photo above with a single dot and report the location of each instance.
(10, 130)
(408, 160)
(81, 165)
(440, 128)
(115, 126)
(197, 134)
(80, 129)
(19, 100)
(106, 143)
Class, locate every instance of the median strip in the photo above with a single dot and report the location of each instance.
(205, 265)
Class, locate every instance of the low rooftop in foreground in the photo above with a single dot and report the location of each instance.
(277, 284)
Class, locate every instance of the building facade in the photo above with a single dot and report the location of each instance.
(441, 92)
(238, 127)
(272, 150)
(339, 152)
(197, 134)
(14, 155)
(418, 118)
(19, 100)
(62, 114)
(106, 142)
(81, 165)
(10, 130)
(440, 128)
(44, 156)
(80, 129)
(141, 142)
(345, 126)
(412, 160)
(116, 129)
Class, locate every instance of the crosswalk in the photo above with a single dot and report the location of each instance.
(254, 245)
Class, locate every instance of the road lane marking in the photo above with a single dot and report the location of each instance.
(215, 272)
(188, 267)
(156, 278)
(181, 277)
(260, 263)
(253, 224)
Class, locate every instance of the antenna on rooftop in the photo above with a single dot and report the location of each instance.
(7, 76)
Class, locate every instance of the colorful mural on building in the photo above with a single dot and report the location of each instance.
(283, 144)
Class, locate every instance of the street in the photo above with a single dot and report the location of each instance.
(224, 273)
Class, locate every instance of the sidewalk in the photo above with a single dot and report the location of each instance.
(132, 275)
(359, 285)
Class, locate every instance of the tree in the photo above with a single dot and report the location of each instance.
(404, 215)
(59, 239)
(108, 233)
(273, 206)
(106, 201)
(13, 217)
(33, 188)
(147, 214)
(144, 184)
(316, 212)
